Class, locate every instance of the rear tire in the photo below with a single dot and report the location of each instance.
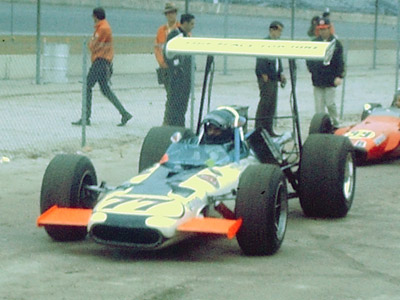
(327, 176)
(157, 142)
(63, 185)
(262, 204)
(321, 123)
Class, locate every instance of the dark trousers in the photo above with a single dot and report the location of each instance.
(177, 86)
(266, 109)
(100, 72)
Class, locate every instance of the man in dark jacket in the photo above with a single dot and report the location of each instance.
(325, 78)
(178, 81)
(269, 72)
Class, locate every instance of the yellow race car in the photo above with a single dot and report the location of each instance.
(234, 183)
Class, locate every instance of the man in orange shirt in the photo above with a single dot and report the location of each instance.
(170, 12)
(101, 48)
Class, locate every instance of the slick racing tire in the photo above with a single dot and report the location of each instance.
(262, 204)
(156, 143)
(327, 176)
(321, 123)
(368, 108)
(63, 185)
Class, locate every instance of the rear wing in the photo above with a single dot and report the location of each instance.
(251, 47)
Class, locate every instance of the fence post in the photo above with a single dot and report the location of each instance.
(396, 86)
(375, 34)
(84, 92)
(192, 96)
(38, 42)
(292, 19)
(345, 51)
(226, 14)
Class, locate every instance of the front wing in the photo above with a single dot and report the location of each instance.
(62, 216)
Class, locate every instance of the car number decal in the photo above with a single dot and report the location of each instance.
(143, 206)
(360, 134)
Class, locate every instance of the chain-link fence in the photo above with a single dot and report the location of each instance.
(36, 116)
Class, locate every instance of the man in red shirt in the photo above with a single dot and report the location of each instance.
(102, 53)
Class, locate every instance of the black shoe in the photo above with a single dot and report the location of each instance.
(125, 118)
(80, 123)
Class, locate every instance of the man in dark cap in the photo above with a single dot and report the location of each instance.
(326, 78)
(178, 83)
(102, 53)
(269, 72)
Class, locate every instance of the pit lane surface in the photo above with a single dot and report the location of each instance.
(351, 258)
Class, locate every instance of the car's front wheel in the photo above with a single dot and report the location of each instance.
(262, 204)
(64, 184)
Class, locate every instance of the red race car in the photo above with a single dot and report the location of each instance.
(376, 137)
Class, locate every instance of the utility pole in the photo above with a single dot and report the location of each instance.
(38, 43)
(398, 47)
(375, 33)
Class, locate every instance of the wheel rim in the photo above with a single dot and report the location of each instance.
(349, 176)
(85, 196)
(281, 212)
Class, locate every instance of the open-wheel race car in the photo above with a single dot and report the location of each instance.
(235, 184)
(375, 137)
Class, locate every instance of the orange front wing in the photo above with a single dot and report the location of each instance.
(212, 225)
(63, 216)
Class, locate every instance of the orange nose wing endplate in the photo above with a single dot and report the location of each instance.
(212, 225)
(64, 216)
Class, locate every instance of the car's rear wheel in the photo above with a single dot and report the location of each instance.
(64, 184)
(262, 204)
(156, 143)
(320, 123)
(327, 176)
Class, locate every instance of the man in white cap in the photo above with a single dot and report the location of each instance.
(325, 78)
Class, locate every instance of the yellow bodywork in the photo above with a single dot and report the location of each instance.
(166, 213)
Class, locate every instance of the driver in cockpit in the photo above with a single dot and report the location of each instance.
(218, 127)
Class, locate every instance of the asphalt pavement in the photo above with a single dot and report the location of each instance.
(351, 258)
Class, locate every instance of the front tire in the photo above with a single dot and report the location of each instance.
(262, 204)
(327, 176)
(63, 185)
